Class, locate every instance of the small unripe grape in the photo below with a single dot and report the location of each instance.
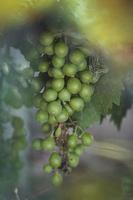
(79, 149)
(86, 76)
(37, 100)
(86, 92)
(77, 103)
(58, 62)
(70, 70)
(76, 57)
(54, 108)
(41, 116)
(64, 95)
(57, 84)
(36, 84)
(43, 105)
(73, 85)
(69, 109)
(52, 120)
(82, 66)
(73, 160)
(43, 67)
(47, 39)
(48, 144)
(61, 49)
(55, 160)
(50, 95)
(49, 50)
(57, 73)
(72, 141)
(87, 139)
(36, 144)
(46, 128)
(57, 179)
(63, 116)
(17, 122)
(47, 169)
(58, 132)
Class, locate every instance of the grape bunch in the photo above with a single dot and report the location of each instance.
(67, 85)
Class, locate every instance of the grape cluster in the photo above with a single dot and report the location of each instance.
(68, 84)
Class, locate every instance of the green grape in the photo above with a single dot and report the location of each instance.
(37, 100)
(41, 116)
(61, 49)
(64, 95)
(79, 149)
(72, 141)
(58, 62)
(52, 120)
(43, 105)
(77, 103)
(76, 57)
(54, 108)
(57, 84)
(82, 66)
(17, 122)
(58, 132)
(47, 169)
(57, 73)
(36, 144)
(69, 109)
(86, 92)
(86, 76)
(87, 139)
(73, 160)
(36, 84)
(46, 128)
(49, 50)
(73, 85)
(43, 67)
(70, 70)
(63, 116)
(48, 144)
(55, 160)
(47, 39)
(57, 179)
(50, 95)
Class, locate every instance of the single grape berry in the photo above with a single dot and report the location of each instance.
(43, 67)
(43, 105)
(82, 66)
(72, 141)
(54, 108)
(41, 116)
(47, 168)
(58, 62)
(74, 85)
(86, 92)
(36, 144)
(58, 132)
(79, 149)
(70, 70)
(57, 84)
(48, 144)
(47, 39)
(73, 160)
(87, 139)
(57, 179)
(36, 84)
(63, 116)
(76, 57)
(61, 49)
(64, 95)
(46, 128)
(69, 109)
(49, 50)
(50, 95)
(55, 160)
(52, 120)
(77, 103)
(37, 100)
(86, 76)
(57, 73)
